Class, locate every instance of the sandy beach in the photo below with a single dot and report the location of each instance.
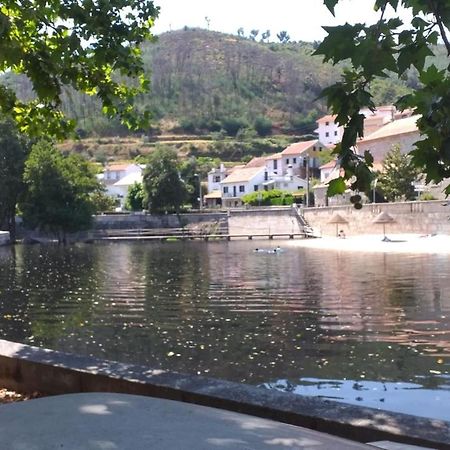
(397, 243)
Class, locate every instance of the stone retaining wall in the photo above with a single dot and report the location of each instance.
(430, 217)
(134, 221)
(25, 368)
(263, 221)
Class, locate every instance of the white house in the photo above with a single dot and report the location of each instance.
(328, 130)
(240, 182)
(301, 155)
(288, 182)
(331, 133)
(215, 177)
(118, 177)
(327, 169)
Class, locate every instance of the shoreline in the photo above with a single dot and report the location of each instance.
(374, 243)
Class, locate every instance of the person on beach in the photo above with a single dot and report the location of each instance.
(341, 234)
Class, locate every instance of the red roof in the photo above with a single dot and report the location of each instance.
(299, 147)
(257, 162)
(327, 118)
(329, 165)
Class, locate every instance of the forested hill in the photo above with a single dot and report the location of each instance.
(206, 81)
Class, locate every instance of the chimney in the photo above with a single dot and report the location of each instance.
(290, 171)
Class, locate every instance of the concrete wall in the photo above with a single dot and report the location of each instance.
(409, 217)
(28, 369)
(263, 220)
(4, 237)
(134, 221)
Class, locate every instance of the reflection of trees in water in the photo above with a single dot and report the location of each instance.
(13, 303)
(50, 285)
(224, 310)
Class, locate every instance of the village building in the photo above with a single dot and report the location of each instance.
(117, 178)
(402, 132)
(240, 182)
(328, 130)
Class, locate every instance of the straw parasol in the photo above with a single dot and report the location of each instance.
(383, 218)
(337, 219)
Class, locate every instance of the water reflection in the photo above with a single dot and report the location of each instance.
(408, 398)
(224, 310)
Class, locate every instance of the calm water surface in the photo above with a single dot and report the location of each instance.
(371, 329)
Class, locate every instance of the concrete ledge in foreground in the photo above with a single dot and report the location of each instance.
(27, 368)
(95, 421)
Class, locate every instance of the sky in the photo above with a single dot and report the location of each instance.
(302, 19)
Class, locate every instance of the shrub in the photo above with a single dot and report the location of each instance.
(232, 125)
(263, 126)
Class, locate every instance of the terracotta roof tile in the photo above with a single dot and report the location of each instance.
(299, 147)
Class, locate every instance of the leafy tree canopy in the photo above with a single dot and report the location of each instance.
(391, 47)
(396, 180)
(135, 197)
(13, 152)
(164, 188)
(92, 46)
(58, 191)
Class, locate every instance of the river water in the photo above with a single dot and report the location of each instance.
(368, 329)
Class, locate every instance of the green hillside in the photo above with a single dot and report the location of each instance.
(204, 81)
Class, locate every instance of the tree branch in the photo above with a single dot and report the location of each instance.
(435, 9)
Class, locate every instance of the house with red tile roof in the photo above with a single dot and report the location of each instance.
(300, 155)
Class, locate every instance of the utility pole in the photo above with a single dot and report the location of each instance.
(200, 200)
(307, 180)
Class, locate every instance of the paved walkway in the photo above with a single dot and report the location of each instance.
(101, 421)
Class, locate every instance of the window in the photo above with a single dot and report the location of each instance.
(314, 148)
(241, 188)
(294, 160)
(275, 164)
(335, 133)
(225, 189)
(217, 179)
(287, 160)
(327, 134)
(327, 123)
(320, 149)
(255, 187)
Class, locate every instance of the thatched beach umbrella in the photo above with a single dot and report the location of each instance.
(383, 218)
(337, 219)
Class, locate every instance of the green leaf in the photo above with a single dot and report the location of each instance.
(336, 186)
(330, 4)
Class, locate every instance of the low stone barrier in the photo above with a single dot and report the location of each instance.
(27, 368)
(430, 217)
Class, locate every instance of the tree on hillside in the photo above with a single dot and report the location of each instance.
(390, 46)
(253, 34)
(13, 152)
(265, 36)
(283, 37)
(164, 188)
(263, 126)
(398, 175)
(240, 32)
(87, 46)
(58, 189)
